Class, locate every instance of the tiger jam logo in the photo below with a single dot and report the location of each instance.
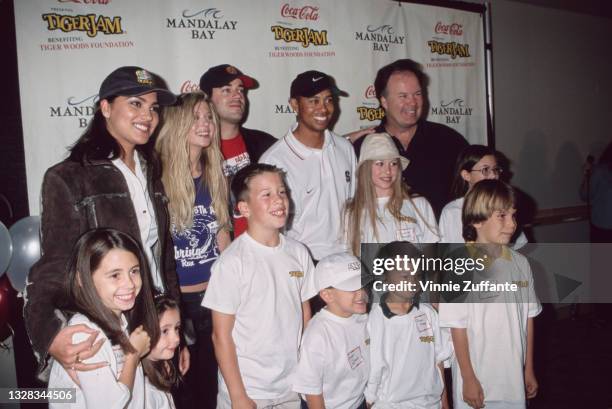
(304, 36)
(91, 24)
(370, 114)
(452, 49)
(294, 35)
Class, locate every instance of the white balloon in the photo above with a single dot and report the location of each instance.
(25, 235)
(6, 248)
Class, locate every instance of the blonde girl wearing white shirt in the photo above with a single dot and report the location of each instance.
(383, 209)
(109, 292)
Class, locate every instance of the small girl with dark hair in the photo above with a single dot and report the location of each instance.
(109, 291)
(476, 163)
(161, 374)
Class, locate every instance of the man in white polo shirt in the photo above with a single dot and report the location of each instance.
(319, 165)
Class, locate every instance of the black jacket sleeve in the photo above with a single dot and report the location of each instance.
(46, 285)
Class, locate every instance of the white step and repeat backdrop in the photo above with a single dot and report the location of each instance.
(66, 48)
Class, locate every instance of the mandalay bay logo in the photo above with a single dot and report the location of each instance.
(381, 37)
(453, 111)
(202, 24)
(81, 109)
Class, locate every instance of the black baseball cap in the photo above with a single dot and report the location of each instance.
(134, 81)
(312, 82)
(221, 75)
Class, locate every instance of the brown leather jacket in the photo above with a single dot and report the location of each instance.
(77, 198)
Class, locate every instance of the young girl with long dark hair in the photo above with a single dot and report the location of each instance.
(159, 368)
(109, 290)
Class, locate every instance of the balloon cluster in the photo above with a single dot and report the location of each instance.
(19, 250)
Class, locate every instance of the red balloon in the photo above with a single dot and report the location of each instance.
(8, 305)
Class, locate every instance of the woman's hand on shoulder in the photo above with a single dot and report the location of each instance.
(71, 356)
(141, 341)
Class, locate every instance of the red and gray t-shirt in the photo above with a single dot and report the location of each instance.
(236, 157)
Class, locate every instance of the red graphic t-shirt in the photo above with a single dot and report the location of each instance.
(236, 157)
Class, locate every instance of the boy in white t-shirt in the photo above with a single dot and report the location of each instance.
(493, 331)
(258, 292)
(407, 345)
(334, 356)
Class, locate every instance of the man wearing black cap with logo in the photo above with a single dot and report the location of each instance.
(432, 148)
(320, 165)
(226, 85)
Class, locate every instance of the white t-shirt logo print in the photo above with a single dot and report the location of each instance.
(317, 79)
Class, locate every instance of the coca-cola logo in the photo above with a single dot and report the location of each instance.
(370, 92)
(453, 29)
(300, 13)
(189, 86)
(85, 1)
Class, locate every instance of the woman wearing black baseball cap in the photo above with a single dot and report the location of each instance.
(110, 179)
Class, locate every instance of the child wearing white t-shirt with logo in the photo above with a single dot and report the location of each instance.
(258, 294)
(407, 345)
(383, 209)
(493, 332)
(334, 355)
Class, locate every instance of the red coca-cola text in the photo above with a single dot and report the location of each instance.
(189, 86)
(370, 92)
(300, 13)
(453, 29)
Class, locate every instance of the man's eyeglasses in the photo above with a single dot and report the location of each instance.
(488, 171)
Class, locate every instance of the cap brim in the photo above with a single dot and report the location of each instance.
(247, 82)
(315, 90)
(164, 97)
(351, 284)
(337, 91)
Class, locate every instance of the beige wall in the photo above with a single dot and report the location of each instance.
(552, 96)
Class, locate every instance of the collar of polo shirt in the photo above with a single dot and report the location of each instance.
(302, 151)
